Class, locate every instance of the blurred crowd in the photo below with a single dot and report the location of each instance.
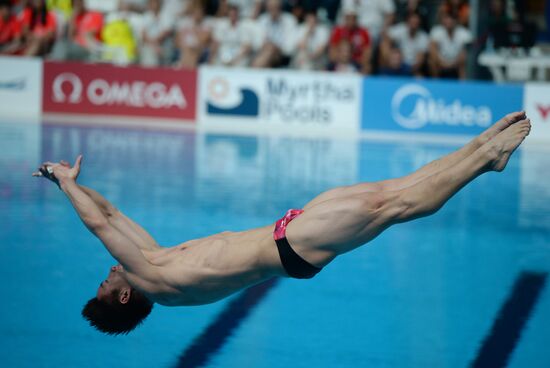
(384, 37)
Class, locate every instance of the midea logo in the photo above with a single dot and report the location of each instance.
(430, 111)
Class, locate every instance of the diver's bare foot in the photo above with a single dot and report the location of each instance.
(504, 144)
(499, 126)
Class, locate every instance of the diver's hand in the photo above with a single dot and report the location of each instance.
(59, 172)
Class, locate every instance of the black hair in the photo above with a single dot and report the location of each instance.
(115, 318)
(5, 4)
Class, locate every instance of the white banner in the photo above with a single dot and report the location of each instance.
(278, 100)
(20, 88)
(536, 102)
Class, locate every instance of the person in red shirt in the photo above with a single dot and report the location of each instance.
(85, 25)
(10, 29)
(83, 34)
(38, 28)
(358, 37)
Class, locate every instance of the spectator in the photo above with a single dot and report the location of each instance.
(10, 30)
(447, 55)
(119, 40)
(312, 44)
(420, 7)
(83, 31)
(375, 15)
(395, 65)
(513, 31)
(232, 41)
(358, 39)
(410, 40)
(38, 28)
(343, 59)
(278, 40)
(158, 27)
(459, 7)
(193, 35)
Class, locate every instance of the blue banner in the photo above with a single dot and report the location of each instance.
(442, 107)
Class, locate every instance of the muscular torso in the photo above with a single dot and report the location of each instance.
(205, 270)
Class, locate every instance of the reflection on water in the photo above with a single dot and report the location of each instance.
(261, 173)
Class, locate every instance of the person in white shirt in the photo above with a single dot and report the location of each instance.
(232, 41)
(158, 27)
(193, 35)
(447, 56)
(279, 34)
(311, 48)
(411, 41)
(375, 15)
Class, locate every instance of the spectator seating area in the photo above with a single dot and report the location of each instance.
(384, 37)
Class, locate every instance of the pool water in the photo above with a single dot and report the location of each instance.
(424, 294)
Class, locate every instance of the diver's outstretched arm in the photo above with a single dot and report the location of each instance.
(121, 247)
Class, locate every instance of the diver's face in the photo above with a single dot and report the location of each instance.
(115, 281)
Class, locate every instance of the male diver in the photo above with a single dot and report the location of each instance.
(299, 245)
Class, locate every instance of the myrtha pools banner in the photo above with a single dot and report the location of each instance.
(279, 99)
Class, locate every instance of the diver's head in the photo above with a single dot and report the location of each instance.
(118, 308)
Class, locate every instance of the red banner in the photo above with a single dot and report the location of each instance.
(100, 89)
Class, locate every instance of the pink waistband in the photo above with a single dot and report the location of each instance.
(280, 226)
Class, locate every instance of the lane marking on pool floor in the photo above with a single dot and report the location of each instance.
(212, 339)
(505, 333)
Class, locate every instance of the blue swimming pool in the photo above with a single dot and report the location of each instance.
(443, 291)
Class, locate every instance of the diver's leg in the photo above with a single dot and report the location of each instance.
(339, 225)
(424, 172)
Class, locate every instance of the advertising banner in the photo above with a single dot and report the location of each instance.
(537, 106)
(109, 90)
(441, 107)
(279, 99)
(20, 87)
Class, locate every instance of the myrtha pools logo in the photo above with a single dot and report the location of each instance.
(224, 100)
(414, 107)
